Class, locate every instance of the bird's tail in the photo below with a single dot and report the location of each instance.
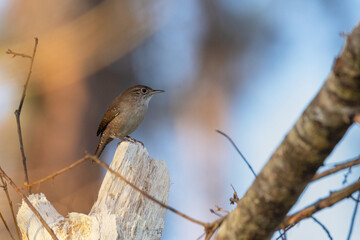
(103, 141)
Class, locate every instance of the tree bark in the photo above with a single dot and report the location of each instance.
(120, 212)
(302, 152)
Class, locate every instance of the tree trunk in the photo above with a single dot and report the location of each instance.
(302, 152)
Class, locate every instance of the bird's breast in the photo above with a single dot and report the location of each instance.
(127, 121)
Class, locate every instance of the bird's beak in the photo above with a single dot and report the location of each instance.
(156, 91)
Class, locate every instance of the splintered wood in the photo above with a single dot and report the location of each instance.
(120, 211)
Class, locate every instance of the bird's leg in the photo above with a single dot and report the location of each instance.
(133, 140)
(130, 139)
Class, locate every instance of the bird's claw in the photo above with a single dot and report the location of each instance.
(133, 140)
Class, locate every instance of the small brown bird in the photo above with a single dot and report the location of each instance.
(124, 115)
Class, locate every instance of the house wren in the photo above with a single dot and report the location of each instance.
(124, 115)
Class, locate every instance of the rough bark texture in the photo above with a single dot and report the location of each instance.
(120, 211)
(302, 152)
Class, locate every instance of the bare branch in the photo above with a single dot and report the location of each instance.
(4, 186)
(214, 212)
(337, 168)
(356, 200)
(9, 51)
(302, 152)
(12, 184)
(52, 176)
(346, 176)
(235, 198)
(283, 235)
(200, 237)
(334, 198)
(213, 227)
(237, 149)
(18, 111)
(95, 159)
(353, 217)
(219, 209)
(6, 226)
(323, 227)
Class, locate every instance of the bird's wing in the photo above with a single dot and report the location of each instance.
(110, 114)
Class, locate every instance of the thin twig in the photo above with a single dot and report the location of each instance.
(237, 149)
(346, 176)
(353, 217)
(6, 226)
(334, 198)
(284, 232)
(219, 209)
(33, 209)
(9, 51)
(235, 197)
(18, 111)
(214, 212)
(95, 159)
(203, 234)
(213, 227)
(337, 168)
(4, 185)
(52, 176)
(210, 228)
(356, 200)
(281, 236)
(323, 227)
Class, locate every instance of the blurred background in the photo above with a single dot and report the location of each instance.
(248, 68)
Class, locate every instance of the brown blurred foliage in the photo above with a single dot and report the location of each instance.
(83, 62)
(75, 41)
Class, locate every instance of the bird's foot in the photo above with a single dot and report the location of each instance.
(133, 140)
(130, 139)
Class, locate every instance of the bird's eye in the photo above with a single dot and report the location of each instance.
(144, 90)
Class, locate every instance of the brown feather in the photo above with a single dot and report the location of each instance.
(115, 108)
(110, 114)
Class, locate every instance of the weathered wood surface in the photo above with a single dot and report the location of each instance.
(120, 212)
